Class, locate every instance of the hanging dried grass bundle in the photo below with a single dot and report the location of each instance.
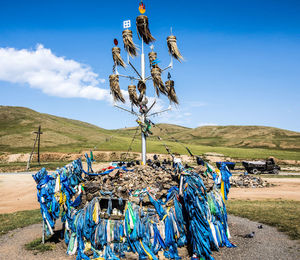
(143, 29)
(141, 86)
(115, 88)
(173, 48)
(116, 53)
(171, 91)
(157, 81)
(152, 57)
(132, 94)
(128, 43)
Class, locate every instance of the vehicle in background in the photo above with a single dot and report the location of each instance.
(257, 167)
(230, 165)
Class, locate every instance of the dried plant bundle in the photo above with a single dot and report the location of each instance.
(169, 84)
(115, 88)
(173, 48)
(141, 86)
(116, 53)
(142, 26)
(129, 45)
(132, 94)
(157, 81)
(152, 57)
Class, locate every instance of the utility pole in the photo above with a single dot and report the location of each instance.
(37, 139)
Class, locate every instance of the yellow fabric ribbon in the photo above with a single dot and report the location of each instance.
(148, 254)
(223, 190)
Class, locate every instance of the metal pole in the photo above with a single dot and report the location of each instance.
(143, 116)
(143, 61)
(143, 147)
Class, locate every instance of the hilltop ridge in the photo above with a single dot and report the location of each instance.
(17, 125)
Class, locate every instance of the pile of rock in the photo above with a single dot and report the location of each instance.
(122, 183)
(248, 181)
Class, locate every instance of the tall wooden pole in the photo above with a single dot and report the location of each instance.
(37, 139)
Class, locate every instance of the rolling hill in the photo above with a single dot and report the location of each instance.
(17, 125)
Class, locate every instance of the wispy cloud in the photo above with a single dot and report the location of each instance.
(53, 75)
(176, 116)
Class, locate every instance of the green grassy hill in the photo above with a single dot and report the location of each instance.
(242, 136)
(17, 125)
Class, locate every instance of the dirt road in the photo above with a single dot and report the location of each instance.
(286, 188)
(18, 191)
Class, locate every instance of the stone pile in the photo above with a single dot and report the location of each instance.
(121, 183)
(248, 181)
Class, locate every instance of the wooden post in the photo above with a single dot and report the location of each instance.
(37, 138)
(43, 236)
(39, 141)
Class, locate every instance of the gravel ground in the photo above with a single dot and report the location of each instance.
(12, 245)
(267, 243)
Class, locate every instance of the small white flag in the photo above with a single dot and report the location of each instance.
(126, 24)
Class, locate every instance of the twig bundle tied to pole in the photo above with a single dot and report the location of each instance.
(173, 48)
(115, 88)
(152, 57)
(132, 94)
(128, 43)
(157, 81)
(116, 53)
(141, 86)
(142, 25)
(169, 84)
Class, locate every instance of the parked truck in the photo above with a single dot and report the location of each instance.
(257, 167)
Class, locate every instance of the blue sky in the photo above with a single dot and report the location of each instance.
(242, 59)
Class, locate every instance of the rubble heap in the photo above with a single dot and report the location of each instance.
(248, 181)
(123, 183)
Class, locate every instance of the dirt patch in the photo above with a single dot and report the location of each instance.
(17, 192)
(66, 157)
(12, 245)
(286, 188)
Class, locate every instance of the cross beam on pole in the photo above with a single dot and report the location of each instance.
(39, 132)
(37, 138)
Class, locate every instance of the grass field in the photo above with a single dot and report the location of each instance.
(17, 125)
(18, 220)
(283, 214)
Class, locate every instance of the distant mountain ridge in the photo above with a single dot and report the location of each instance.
(18, 123)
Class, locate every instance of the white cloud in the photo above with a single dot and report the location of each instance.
(53, 75)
